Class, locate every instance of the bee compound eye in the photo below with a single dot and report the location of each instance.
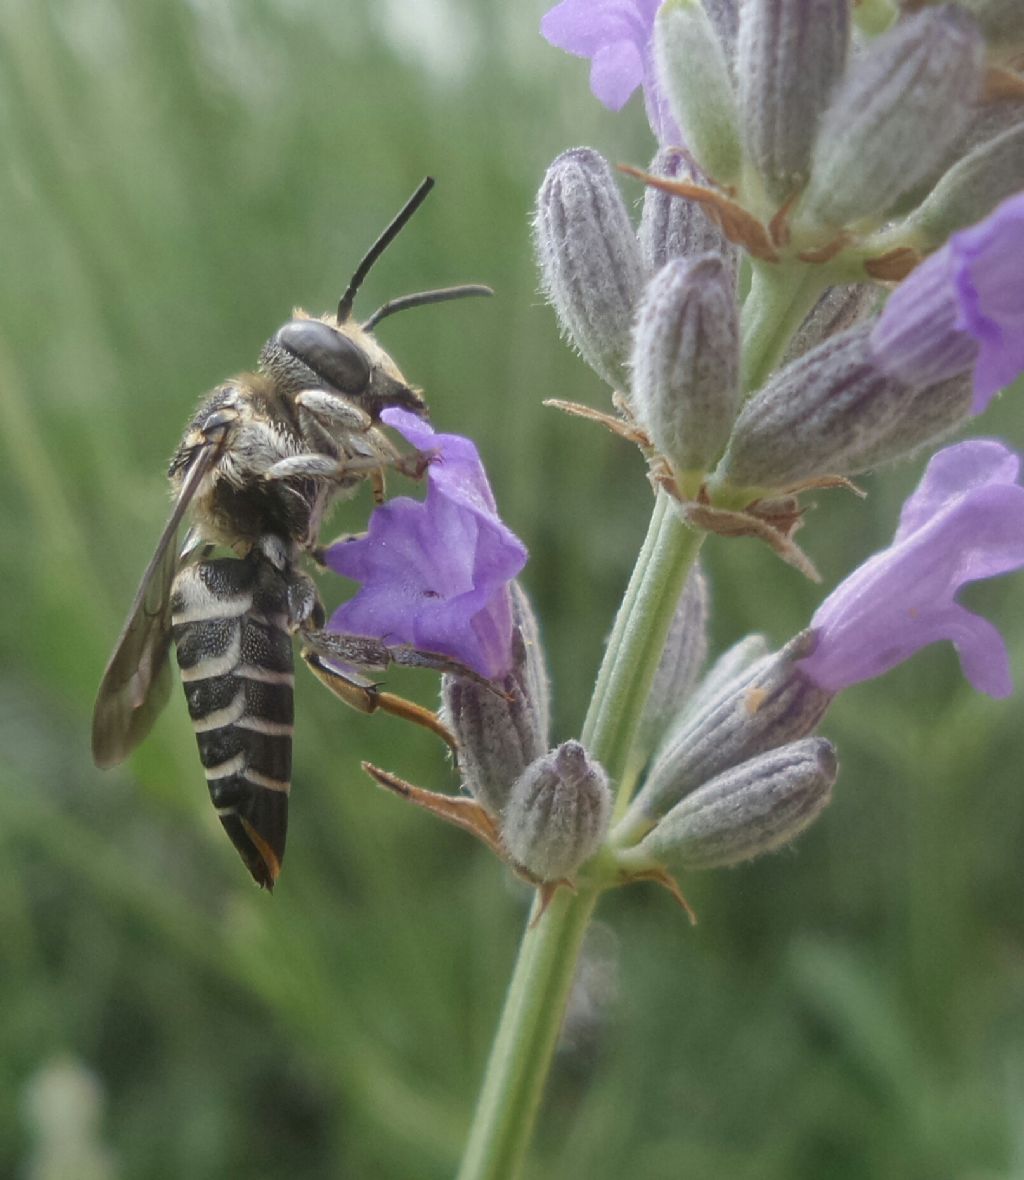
(329, 353)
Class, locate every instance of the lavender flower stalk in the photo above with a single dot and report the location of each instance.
(812, 152)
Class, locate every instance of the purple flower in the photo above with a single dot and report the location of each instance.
(965, 522)
(990, 287)
(617, 36)
(435, 573)
(962, 307)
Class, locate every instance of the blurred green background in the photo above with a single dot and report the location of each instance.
(175, 176)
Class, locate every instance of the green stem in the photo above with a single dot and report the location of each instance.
(526, 1038)
(780, 296)
(637, 641)
(537, 994)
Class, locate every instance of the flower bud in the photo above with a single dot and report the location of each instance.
(989, 120)
(727, 673)
(685, 386)
(838, 309)
(674, 227)
(892, 121)
(557, 813)
(768, 705)
(724, 16)
(823, 413)
(970, 190)
(928, 416)
(748, 810)
(791, 54)
(694, 73)
(501, 733)
(686, 649)
(589, 259)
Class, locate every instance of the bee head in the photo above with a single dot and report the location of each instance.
(339, 358)
(338, 355)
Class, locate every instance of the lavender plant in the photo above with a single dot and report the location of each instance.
(807, 167)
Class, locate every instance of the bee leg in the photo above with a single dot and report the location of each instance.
(414, 464)
(324, 414)
(319, 552)
(314, 466)
(361, 651)
(377, 483)
(367, 697)
(304, 606)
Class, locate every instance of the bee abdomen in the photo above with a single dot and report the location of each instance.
(230, 626)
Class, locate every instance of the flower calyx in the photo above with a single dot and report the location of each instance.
(555, 819)
(741, 814)
(589, 258)
(499, 733)
(557, 814)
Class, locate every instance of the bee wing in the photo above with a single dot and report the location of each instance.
(137, 680)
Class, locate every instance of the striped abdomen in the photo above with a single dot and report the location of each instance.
(230, 625)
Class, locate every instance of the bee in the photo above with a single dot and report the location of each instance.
(260, 463)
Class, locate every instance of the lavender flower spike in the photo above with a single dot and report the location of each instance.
(962, 307)
(616, 35)
(964, 522)
(435, 573)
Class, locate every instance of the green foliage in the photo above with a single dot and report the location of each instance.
(175, 178)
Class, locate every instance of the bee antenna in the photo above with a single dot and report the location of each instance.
(441, 295)
(381, 244)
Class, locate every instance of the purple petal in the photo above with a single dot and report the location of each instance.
(457, 469)
(952, 473)
(965, 522)
(617, 37)
(435, 573)
(567, 26)
(990, 289)
(615, 72)
(963, 307)
(916, 338)
(582, 27)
